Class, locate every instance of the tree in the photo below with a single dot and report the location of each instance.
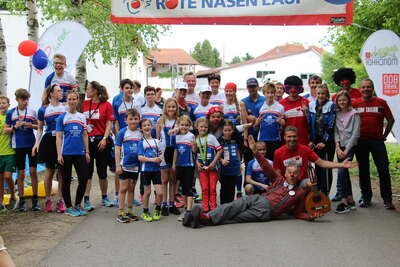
(205, 54)
(238, 59)
(247, 57)
(3, 63)
(330, 63)
(235, 60)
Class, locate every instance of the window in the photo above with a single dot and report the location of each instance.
(262, 74)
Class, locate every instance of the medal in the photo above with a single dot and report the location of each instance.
(89, 128)
(292, 193)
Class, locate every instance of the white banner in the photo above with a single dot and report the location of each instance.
(65, 37)
(380, 55)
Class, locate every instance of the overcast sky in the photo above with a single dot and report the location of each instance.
(237, 40)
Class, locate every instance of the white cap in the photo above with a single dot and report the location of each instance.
(181, 85)
(204, 88)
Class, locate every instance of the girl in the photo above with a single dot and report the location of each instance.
(347, 132)
(99, 116)
(165, 125)
(230, 161)
(159, 99)
(209, 153)
(73, 149)
(183, 163)
(46, 145)
(231, 107)
(150, 155)
(321, 122)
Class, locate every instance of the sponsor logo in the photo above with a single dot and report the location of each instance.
(135, 6)
(390, 84)
(385, 56)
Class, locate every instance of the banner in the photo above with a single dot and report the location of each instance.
(65, 37)
(380, 55)
(244, 12)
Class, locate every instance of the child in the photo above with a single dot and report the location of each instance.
(127, 102)
(183, 163)
(256, 180)
(7, 157)
(20, 123)
(209, 152)
(230, 161)
(150, 155)
(165, 124)
(73, 149)
(270, 121)
(150, 110)
(127, 164)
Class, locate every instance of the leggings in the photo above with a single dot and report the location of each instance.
(101, 157)
(227, 191)
(208, 182)
(185, 175)
(80, 165)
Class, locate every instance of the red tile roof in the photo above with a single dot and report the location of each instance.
(171, 56)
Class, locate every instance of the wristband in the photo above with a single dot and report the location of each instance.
(3, 248)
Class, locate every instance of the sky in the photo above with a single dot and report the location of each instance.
(234, 41)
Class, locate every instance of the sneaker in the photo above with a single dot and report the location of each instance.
(351, 204)
(181, 216)
(179, 204)
(48, 206)
(187, 219)
(122, 218)
(195, 223)
(115, 201)
(364, 204)
(136, 202)
(35, 205)
(164, 211)
(81, 211)
(146, 217)
(88, 206)
(174, 210)
(22, 206)
(336, 198)
(60, 206)
(131, 215)
(198, 199)
(342, 208)
(106, 202)
(11, 204)
(239, 195)
(388, 205)
(72, 212)
(156, 215)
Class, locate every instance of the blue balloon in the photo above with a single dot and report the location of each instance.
(40, 60)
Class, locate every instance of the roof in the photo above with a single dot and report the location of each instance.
(170, 56)
(274, 53)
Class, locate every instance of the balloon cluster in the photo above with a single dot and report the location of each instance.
(29, 48)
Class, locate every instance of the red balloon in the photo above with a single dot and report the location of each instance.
(171, 4)
(27, 48)
(135, 4)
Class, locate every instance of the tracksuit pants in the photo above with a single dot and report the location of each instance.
(208, 181)
(81, 168)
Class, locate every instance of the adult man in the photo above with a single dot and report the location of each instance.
(344, 78)
(313, 83)
(217, 98)
(373, 110)
(192, 99)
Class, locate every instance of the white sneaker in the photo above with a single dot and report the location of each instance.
(180, 218)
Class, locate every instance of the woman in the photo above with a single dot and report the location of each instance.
(99, 115)
(231, 108)
(46, 145)
(73, 149)
(159, 99)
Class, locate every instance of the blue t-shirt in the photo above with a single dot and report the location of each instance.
(252, 108)
(230, 153)
(120, 107)
(129, 142)
(153, 113)
(213, 147)
(256, 173)
(73, 126)
(49, 115)
(166, 139)
(183, 147)
(21, 137)
(199, 111)
(270, 129)
(66, 82)
(149, 148)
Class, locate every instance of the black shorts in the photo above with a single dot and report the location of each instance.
(20, 158)
(48, 152)
(129, 175)
(169, 155)
(150, 177)
(185, 175)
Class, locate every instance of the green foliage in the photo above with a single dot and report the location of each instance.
(237, 59)
(205, 54)
(169, 75)
(329, 64)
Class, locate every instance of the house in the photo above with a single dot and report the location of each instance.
(274, 65)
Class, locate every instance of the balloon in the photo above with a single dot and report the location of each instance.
(40, 60)
(27, 48)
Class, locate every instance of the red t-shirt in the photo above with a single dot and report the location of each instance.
(294, 116)
(300, 156)
(354, 94)
(372, 114)
(97, 115)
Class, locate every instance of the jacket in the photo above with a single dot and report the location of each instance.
(328, 119)
(347, 135)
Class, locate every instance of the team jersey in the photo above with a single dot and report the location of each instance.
(252, 108)
(139, 99)
(183, 146)
(120, 109)
(231, 154)
(5, 144)
(255, 171)
(66, 82)
(218, 99)
(166, 139)
(372, 114)
(97, 115)
(21, 137)
(129, 142)
(295, 116)
(49, 115)
(231, 113)
(270, 129)
(192, 100)
(149, 148)
(200, 111)
(212, 148)
(153, 113)
(73, 126)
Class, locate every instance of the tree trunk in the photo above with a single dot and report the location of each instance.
(81, 74)
(3, 63)
(31, 20)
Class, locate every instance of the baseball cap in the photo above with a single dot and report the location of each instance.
(204, 88)
(252, 82)
(181, 85)
(231, 86)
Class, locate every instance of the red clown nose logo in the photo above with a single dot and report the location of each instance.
(135, 4)
(171, 4)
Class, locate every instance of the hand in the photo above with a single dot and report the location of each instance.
(60, 159)
(118, 170)
(199, 166)
(211, 166)
(349, 164)
(224, 162)
(259, 120)
(102, 144)
(251, 119)
(265, 186)
(252, 143)
(320, 146)
(87, 157)
(35, 150)
(18, 124)
(311, 145)
(28, 124)
(280, 120)
(247, 125)
(157, 159)
(173, 131)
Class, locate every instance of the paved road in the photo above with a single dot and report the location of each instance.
(364, 237)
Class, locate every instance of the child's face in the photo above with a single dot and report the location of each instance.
(72, 100)
(343, 102)
(146, 127)
(171, 109)
(22, 102)
(313, 83)
(59, 65)
(202, 128)
(322, 95)
(215, 118)
(128, 90)
(132, 121)
(57, 93)
(4, 105)
(269, 94)
(227, 131)
(150, 96)
(260, 148)
(184, 126)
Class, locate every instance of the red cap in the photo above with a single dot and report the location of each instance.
(214, 109)
(231, 86)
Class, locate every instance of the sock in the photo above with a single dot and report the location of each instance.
(145, 210)
(164, 204)
(188, 211)
(158, 207)
(171, 203)
(121, 211)
(103, 196)
(86, 198)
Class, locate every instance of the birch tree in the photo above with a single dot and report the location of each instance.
(3, 62)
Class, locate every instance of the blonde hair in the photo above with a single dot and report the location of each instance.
(184, 118)
(165, 114)
(60, 56)
(268, 86)
(324, 86)
(200, 120)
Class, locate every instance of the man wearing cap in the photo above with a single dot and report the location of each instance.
(217, 98)
(192, 99)
(201, 110)
(180, 95)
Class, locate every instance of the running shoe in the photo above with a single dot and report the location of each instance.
(131, 215)
(11, 204)
(156, 215)
(136, 202)
(164, 211)
(146, 217)
(363, 203)
(72, 212)
(81, 211)
(60, 206)
(122, 218)
(187, 219)
(35, 205)
(181, 216)
(116, 201)
(88, 206)
(22, 206)
(179, 204)
(198, 199)
(342, 208)
(388, 205)
(352, 204)
(48, 206)
(174, 210)
(106, 202)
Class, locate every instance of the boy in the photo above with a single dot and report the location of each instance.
(7, 157)
(150, 110)
(20, 123)
(64, 79)
(256, 180)
(217, 98)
